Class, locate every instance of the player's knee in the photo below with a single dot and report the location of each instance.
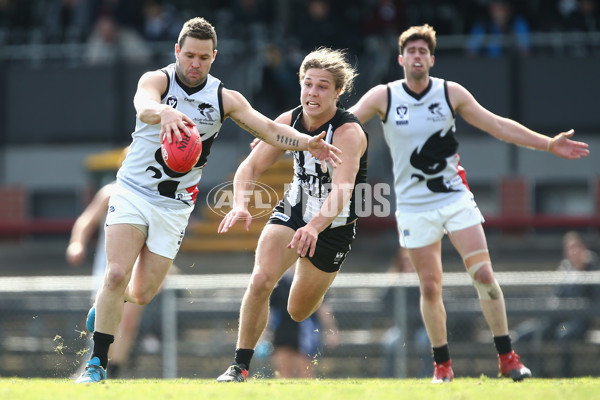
(431, 289)
(298, 313)
(142, 297)
(485, 283)
(261, 285)
(485, 274)
(115, 276)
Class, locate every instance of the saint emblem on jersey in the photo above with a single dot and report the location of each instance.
(432, 159)
(402, 114)
(172, 101)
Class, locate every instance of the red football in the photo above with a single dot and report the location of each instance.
(182, 156)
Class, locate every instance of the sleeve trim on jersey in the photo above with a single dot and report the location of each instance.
(220, 99)
(389, 105)
(447, 94)
(162, 96)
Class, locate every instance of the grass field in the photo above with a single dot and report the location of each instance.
(341, 389)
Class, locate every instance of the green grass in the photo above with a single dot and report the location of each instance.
(340, 389)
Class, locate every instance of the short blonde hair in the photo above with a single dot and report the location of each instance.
(333, 61)
(421, 32)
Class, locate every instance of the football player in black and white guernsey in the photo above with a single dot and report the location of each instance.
(432, 195)
(150, 206)
(314, 225)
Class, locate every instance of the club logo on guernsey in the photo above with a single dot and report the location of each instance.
(207, 113)
(402, 114)
(172, 101)
(436, 110)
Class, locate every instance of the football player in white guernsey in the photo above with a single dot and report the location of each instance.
(418, 114)
(149, 209)
(313, 226)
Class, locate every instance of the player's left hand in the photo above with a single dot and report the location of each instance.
(324, 151)
(564, 147)
(232, 217)
(305, 241)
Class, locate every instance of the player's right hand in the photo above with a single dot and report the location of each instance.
(231, 218)
(172, 123)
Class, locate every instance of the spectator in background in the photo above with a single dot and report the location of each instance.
(17, 19)
(111, 42)
(126, 12)
(281, 71)
(296, 345)
(66, 21)
(582, 17)
(386, 18)
(488, 33)
(577, 258)
(161, 21)
(317, 25)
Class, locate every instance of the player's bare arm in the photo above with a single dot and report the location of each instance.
(511, 131)
(374, 102)
(351, 139)
(86, 224)
(150, 110)
(263, 155)
(282, 136)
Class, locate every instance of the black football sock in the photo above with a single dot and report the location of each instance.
(102, 342)
(503, 344)
(243, 357)
(441, 354)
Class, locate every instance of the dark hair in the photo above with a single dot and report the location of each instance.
(198, 28)
(421, 32)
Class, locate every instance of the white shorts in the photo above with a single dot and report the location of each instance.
(166, 227)
(420, 229)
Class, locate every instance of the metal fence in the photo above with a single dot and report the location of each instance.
(195, 318)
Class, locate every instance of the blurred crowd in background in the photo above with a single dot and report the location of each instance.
(335, 22)
(281, 32)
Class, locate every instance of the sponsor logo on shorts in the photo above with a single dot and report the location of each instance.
(111, 209)
(338, 257)
(281, 216)
(406, 232)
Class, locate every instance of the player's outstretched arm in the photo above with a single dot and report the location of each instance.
(511, 131)
(263, 155)
(86, 224)
(372, 103)
(279, 135)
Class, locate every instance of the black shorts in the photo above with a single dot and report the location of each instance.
(333, 244)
